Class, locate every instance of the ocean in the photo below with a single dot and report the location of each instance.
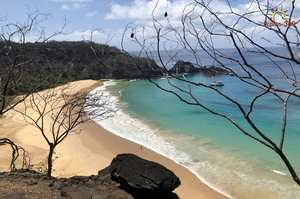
(209, 146)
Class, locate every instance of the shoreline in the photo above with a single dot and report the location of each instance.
(169, 152)
(191, 188)
(92, 148)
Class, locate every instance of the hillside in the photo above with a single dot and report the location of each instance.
(58, 62)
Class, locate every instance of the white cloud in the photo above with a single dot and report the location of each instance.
(92, 13)
(71, 1)
(142, 9)
(72, 4)
(99, 35)
(140, 13)
(77, 35)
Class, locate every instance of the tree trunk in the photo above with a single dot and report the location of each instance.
(289, 166)
(51, 151)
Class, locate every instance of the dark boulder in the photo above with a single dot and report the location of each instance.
(146, 176)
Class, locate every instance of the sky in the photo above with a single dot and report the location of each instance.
(109, 17)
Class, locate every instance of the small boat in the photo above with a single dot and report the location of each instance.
(217, 84)
(166, 76)
(296, 84)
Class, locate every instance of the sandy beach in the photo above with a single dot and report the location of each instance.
(90, 149)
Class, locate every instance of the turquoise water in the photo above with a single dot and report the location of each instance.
(208, 145)
(166, 111)
(219, 152)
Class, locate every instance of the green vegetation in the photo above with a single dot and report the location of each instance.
(44, 65)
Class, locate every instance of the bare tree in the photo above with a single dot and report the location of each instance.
(14, 38)
(253, 30)
(65, 112)
(12, 63)
(16, 151)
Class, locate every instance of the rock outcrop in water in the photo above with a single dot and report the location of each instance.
(182, 67)
(33, 185)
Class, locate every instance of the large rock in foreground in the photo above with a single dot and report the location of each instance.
(144, 175)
